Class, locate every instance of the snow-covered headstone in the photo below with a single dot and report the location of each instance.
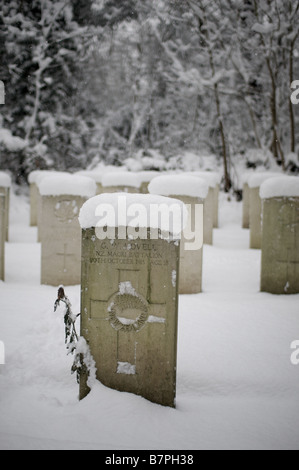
(5, 186)
(34, 178)
(280, 239)
(120, 181)
(129, 303)
(255, 207)
(192, 191)
(62, 197)
(2, 236)
(211, 204)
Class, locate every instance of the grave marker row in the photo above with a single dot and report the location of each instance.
(192, 191)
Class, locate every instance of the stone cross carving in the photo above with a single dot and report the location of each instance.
(65, 255)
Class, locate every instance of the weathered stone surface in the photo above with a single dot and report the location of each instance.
(60, 234)
(129, 314)
(280, 246)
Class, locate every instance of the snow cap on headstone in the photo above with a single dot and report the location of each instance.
(134, 210)
(179, 185)
(212, 178)
(66, 184)
(5, 180)
(120, 178)
(282, 186)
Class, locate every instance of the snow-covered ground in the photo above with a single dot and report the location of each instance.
(236, 386)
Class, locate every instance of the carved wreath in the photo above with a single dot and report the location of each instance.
(122, 302)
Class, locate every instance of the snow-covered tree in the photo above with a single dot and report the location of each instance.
(91, 80)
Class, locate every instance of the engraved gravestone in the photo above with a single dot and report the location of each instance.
(62, 197)
(2, 237)
(280, 239)
(129, 303)
(255, 207)
(34, 178)
(39, 179)
(192, 191)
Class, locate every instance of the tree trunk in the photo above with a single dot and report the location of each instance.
(227, 178)
(275, 145)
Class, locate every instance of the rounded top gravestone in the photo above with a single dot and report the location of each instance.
(129, 292)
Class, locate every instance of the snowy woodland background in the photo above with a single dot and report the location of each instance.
(110, 80)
